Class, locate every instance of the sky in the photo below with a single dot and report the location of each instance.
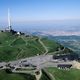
(44, 11)
(33, 10)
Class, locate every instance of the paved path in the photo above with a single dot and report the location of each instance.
(57, 51)
(46, 50)
(52, 77)
(30, 71)
(14, 41)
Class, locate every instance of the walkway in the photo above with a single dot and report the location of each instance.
(46, 50)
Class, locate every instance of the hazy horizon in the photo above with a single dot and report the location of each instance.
(44, 15)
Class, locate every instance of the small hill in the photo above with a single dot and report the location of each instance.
(14, 46)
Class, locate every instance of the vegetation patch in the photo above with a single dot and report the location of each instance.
(12, 76)
(72, 74)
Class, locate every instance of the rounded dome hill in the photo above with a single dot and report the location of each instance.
(16, 46)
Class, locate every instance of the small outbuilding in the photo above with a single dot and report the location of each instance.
(63, 66)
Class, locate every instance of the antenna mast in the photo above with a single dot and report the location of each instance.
(9, 20)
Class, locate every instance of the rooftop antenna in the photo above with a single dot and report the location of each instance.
(9, 20)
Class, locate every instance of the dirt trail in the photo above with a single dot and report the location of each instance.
(46, 50)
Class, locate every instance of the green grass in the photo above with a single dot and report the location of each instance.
(72, 74)
(45, 76)
(11, 76)
(6, 38)
(19, 41)
(51, 45)
(14, 47)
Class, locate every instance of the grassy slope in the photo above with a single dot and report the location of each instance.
(51, 45)
(11, 76)
(14, 47)
(72, 74)
(45, 75)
